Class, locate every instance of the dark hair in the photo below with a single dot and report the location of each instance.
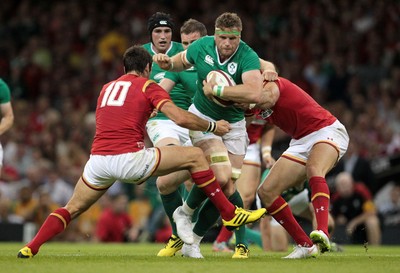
(159, 19)
(136, 58)
(228, 20)
(193, 25)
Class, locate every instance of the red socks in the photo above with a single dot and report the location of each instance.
(281, 212)
(205, 180)
(224, 235)
(320, 200)
(54, 224)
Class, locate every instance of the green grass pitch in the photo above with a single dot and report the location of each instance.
(135, 257)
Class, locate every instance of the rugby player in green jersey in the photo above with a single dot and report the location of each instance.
(163, 132)
(223, 51)
(7, 114)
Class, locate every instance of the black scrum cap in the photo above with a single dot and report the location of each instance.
(159, 19)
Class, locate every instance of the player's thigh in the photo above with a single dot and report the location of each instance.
(218, 158)
(176, 158)
(167, 141)
(323, 157)
(82, 198)
(170, 182)
(284, 174)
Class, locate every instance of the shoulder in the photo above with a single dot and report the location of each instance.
(3, 86)
(147, 47)
(177, 46)
(149, 85)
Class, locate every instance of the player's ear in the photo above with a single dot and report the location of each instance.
(147, 70)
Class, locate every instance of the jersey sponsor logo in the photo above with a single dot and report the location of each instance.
(232, 67)
(209, 60)
(266, 113)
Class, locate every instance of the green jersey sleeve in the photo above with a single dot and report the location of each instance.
(5, 94)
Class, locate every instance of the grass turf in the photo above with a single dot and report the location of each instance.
(133, 257)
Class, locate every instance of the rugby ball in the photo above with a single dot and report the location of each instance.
(224, 79)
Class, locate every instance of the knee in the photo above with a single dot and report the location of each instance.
(162, 185)
(228, 189)
(372, 222)
(247, 200)
(267, 196)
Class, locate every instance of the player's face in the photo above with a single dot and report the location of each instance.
(226, 42)
(187, 39)
(161, 37)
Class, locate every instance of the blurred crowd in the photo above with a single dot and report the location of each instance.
(56, 55)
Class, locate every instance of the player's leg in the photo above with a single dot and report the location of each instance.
(322, 158)
(283, 175)
(167, 133)
(83, 197)
(170, 188)
(193, 159)
(328, 146)
(279, 237)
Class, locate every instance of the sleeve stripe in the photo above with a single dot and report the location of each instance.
(146, 84)
(161, 103)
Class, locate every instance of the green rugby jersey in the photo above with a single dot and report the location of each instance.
(157, 74)
(5, 95)
(188, 79)
(203, 55)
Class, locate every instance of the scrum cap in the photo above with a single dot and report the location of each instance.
(159, 19)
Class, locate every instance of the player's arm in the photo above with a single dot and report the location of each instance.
(7, 119)
(192, 122)
(249, 91)
(269, 71)
(167, 84)
(266, 145)
(270, 95)
(175, 63)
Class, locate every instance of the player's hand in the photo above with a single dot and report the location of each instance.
(351, 227)
(268, 160)
(154, 113)
(208, 87)
(270, 75)
(163, 61)
(223, 127)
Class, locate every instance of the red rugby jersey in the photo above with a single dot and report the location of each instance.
(123, 108)
(296, 112)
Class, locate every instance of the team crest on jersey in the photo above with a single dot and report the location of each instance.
(266, 113)
(232, 67)
(209, 60)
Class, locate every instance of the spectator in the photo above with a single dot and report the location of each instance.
(353, 207)
(389, 209)
(114, 224)
(59, 190)
(25, 205)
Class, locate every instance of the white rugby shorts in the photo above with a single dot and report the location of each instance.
(158, 129)
(235, 141)
(253, 156)
(335, 134)
(101, 171)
